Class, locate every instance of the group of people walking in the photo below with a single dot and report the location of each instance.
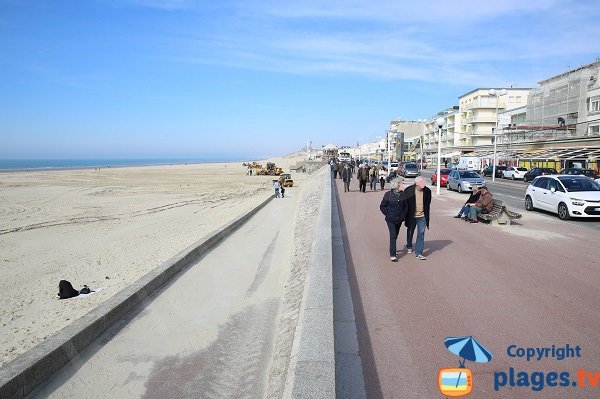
(409, 205)
(374, 175)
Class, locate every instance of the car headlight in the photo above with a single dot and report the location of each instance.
(578, 202)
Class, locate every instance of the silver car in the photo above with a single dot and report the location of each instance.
(464, 180)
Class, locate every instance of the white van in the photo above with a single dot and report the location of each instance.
(469, 163)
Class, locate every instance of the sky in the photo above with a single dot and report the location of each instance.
(245, 79)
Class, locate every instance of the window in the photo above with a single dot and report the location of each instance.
(519, 99)
(595, 105)
(541, 182)
(594, 129)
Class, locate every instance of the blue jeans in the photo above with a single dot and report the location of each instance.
(474, 211)
(419, 224)
(394, 229)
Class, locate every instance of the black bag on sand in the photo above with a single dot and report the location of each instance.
(66, 290)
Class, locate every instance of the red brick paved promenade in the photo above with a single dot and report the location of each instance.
(535, 283)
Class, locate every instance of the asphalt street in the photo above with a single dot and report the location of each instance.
(533, 284)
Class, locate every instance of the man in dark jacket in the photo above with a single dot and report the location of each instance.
(346, 177)
(363, 176)
(395, 208)
(419, 202)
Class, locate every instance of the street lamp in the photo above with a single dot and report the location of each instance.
(497, 94)
(422, 139)
(439, 122)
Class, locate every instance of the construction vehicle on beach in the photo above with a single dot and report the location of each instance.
(287, 180)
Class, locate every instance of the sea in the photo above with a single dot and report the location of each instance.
(10, 165)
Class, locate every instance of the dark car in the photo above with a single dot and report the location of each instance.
(487, 171)
(535, 172)
(579, 171)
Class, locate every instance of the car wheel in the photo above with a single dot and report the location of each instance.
(448, 187)
(563, 211)
(513, 177)
(460, 190)
(528, 203)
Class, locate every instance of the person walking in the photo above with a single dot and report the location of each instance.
(373, 178)
(419, 202)
(484, 205)
(276, 187)
(473, 198)
(363, 176)
(346, 177)
(395, 209)
(382, 176)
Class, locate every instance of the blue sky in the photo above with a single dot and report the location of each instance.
(252, 78)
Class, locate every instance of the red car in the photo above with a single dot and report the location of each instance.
(444, 172)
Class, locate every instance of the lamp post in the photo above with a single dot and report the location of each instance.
(497, 94)
(439, 122)
(422, 140)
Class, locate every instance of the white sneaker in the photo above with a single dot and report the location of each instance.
(409, 250)
(421, 257)
(393, 258)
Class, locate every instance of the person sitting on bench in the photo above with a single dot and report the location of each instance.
(473, 198)
(485, 204)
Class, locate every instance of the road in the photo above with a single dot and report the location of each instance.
(532, 284)
(513, 194)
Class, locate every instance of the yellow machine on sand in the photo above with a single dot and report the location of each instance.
(286, 180)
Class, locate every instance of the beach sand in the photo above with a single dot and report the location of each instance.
(105, 228)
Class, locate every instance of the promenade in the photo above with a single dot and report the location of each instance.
(532, 284)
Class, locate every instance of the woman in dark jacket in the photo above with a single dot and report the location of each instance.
(395, 208)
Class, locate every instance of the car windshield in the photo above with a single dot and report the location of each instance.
(410, 166)
(588, 173)
(469, 175)
(573, 184)
(445, 171)
(522, 169)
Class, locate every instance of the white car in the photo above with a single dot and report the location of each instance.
(513, 172)
(566, 195)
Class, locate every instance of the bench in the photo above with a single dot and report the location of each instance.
(499, 214)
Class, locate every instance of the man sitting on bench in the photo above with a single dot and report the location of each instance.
(485, 204)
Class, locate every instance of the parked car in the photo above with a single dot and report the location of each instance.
(393, 166)
(566, 195)
(444, 172)
(535, 172)
(579, 171)
(487, 171)
(410, 170)
(464, 180)
(514, 172)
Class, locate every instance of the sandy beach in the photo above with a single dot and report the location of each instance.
(105, 228)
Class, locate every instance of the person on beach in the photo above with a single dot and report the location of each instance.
(485, 204)
(276, 186)
(473, 198)
(346, 177)
(419, 200)
(363, 176)
(394, 206)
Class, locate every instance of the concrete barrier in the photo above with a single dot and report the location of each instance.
(311, 372)
(20, 376)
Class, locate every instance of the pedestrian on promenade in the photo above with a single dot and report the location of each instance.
(395, 208)
(382, 176)
(282, 190)
(419, 201)
(276, 186)
(346, 177)
(373, 178)
(473, 198)
(341, 168)
(334, 169)
(485, 204)
(363, 176)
